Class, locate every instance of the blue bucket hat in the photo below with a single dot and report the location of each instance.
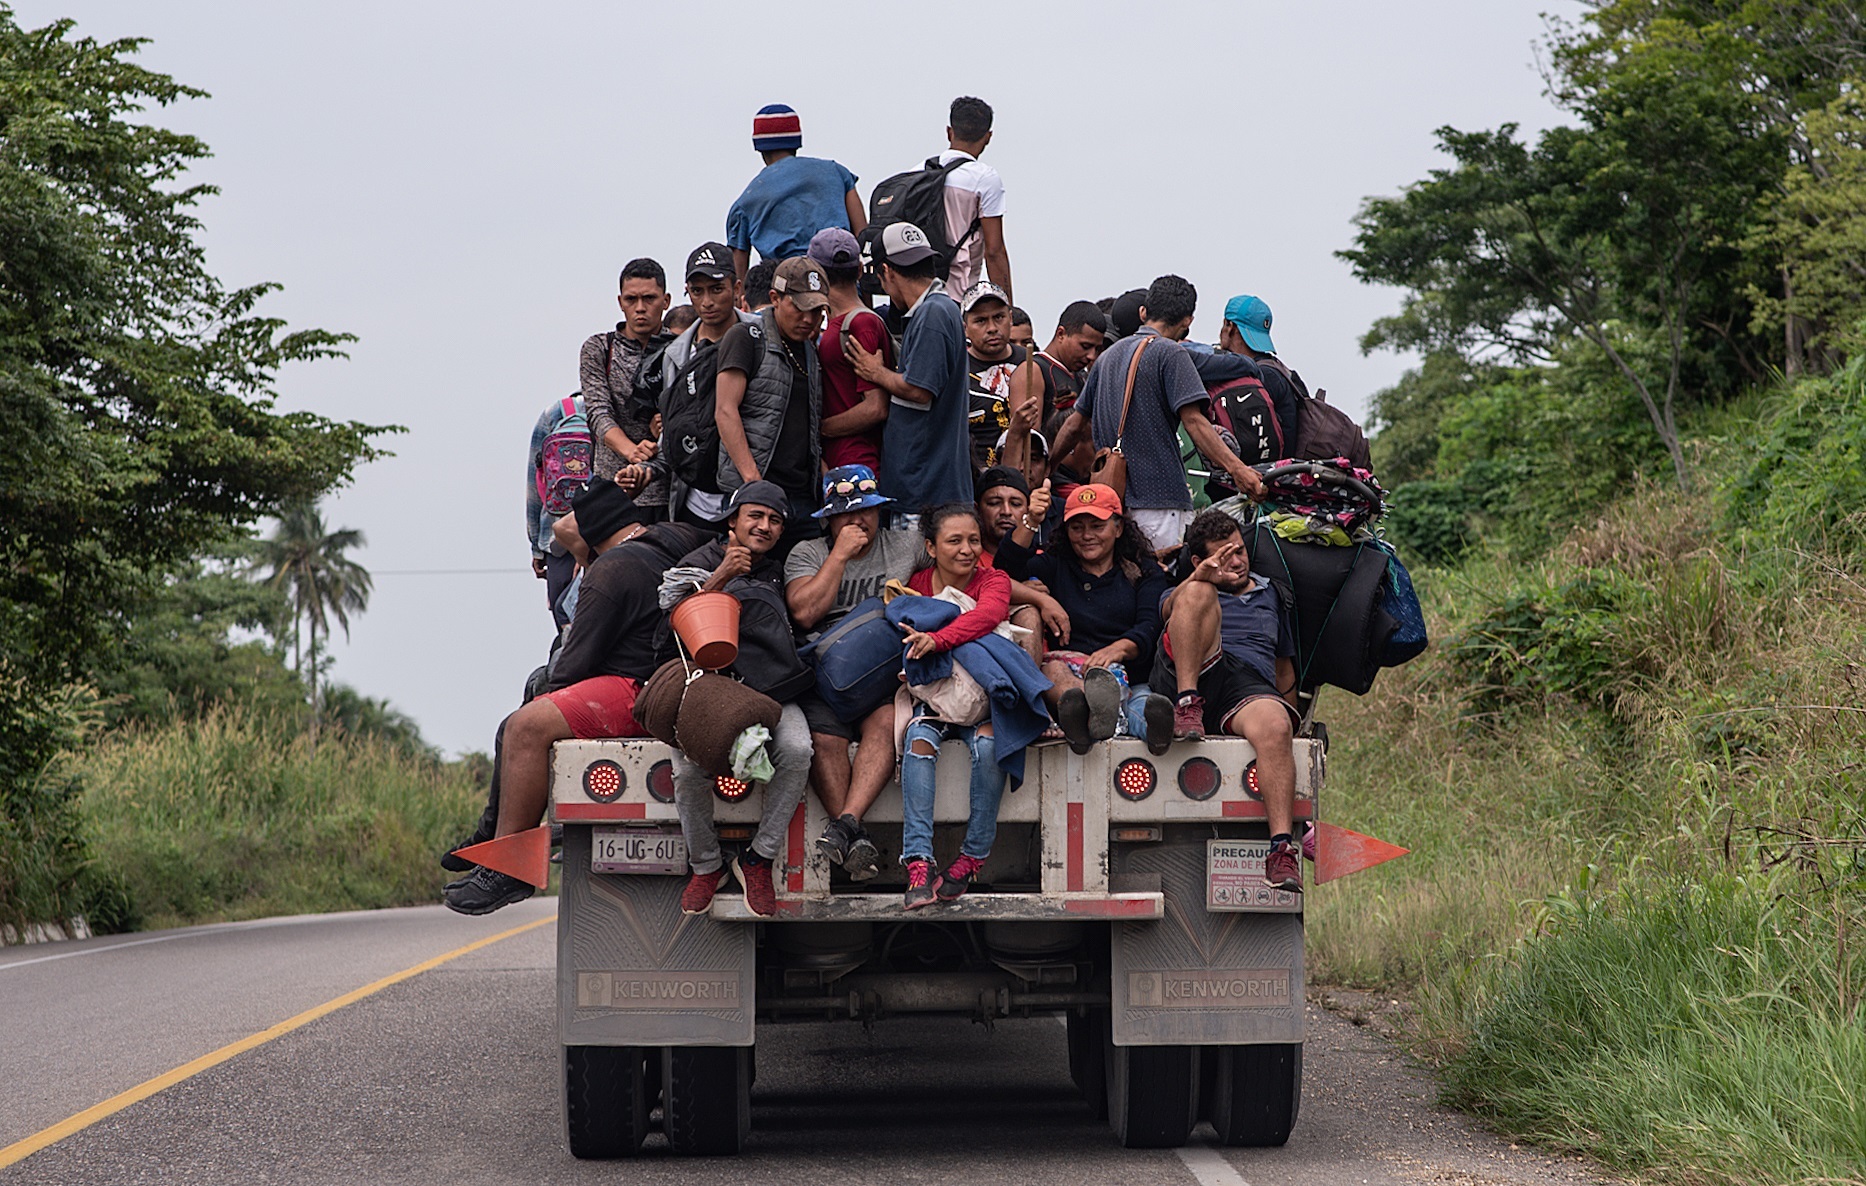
(850, 488)
(1252, 317)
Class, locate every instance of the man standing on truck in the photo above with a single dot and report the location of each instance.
(974, 201)
(607, 654)
(622, 430)
(792, 198)
(1228, 653)
(823, 580)
(926, 453)
(754, 525)
(770, 388)
(1138, 395)
(714, 289)
(1063, 365)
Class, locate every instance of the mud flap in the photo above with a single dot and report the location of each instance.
(633, 970)
(1198, 977)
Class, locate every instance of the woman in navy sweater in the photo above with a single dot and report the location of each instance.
(1103, 575)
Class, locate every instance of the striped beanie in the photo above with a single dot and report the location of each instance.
(776, 127)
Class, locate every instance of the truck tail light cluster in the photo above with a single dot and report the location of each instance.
(604, 781)
(661, 781)
(1135, 779)
(1199, 778)
(1250, 781)
(731, 789)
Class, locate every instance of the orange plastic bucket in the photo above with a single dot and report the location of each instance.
(708, 625)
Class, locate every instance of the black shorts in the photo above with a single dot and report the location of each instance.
(822, 719)
(1227, 684)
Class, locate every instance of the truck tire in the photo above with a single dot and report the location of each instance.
(1088, 1038)
(707, 1099)
(1257, 1092)
(1152, 1091)
(605, 1101)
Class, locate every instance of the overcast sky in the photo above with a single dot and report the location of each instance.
(458, 185)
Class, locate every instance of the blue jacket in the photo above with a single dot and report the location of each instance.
(1005, 670)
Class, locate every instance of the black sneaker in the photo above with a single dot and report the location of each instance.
(1072, 714)
(864, 859)
(835, 840)
(484, 891)
(482, 832)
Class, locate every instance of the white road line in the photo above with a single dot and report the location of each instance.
(65, 955)
(1209, 1166)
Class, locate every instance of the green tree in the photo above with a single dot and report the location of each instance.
(136, 393)
(193, 643)
(1816, 228)
(307, 562)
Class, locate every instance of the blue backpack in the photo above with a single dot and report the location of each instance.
(858, 661)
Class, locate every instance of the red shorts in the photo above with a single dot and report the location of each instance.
(602, 706)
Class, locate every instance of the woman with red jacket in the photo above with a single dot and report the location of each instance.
(954, 544)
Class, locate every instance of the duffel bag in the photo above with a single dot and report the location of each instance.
(858, 661)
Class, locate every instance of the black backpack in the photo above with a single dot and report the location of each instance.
(689, 429)
(918, 197)
(645, 396)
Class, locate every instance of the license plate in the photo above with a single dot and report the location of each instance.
(637, 850)
(1234, 879)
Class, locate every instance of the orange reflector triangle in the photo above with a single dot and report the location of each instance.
(1339, 852)
(524, 855)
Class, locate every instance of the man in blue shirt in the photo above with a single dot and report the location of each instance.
(926, 450)
(1167, 393)
(792, 198)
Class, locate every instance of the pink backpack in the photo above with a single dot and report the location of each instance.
(566, 460)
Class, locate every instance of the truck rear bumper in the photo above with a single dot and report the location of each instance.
(974, 907)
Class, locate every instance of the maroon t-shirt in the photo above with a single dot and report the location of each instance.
(842, 390)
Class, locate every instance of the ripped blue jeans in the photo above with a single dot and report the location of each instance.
(917, 789)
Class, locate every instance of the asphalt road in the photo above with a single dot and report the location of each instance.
(452, 1073)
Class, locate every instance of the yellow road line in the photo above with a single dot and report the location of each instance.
(26, 1147)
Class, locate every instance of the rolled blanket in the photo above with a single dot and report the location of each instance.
(705, 717)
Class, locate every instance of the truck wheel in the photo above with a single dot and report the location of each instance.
(1151, 1094)
(1257, 1092)
(605, 1101)
(1088, 1036)
(707, 1099)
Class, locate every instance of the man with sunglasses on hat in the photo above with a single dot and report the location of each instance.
(824, 579)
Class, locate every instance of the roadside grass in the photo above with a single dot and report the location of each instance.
(230, 817)
(1633, 777)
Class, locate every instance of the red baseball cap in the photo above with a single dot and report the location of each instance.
(1093, 499)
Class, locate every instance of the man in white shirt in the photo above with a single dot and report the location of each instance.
(974, 201)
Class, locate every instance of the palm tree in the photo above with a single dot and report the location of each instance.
(307, 561)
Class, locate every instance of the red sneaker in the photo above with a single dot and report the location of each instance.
(1189, 719)
(919, 884)
(754, 873)
(1282, 869)
(697, 898)
(958, 878)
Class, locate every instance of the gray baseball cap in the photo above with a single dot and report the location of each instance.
(904, 243)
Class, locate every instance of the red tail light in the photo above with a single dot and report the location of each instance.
(1250, 781)
(1135, 779)
(731, 789)
(603, 781)
(1199, 778)
(661, 781)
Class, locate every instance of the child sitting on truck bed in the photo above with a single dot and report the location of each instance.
(1235, 672)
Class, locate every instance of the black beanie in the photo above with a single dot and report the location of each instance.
(602, 509)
